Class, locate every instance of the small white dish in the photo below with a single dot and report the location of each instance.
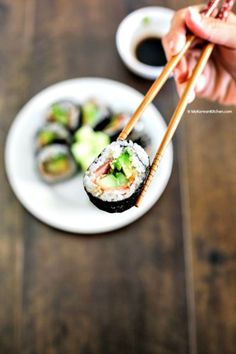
(144, 22)
(66, 206)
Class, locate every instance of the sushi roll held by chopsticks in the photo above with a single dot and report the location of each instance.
(115, 179)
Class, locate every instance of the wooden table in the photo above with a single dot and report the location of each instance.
(164, 285)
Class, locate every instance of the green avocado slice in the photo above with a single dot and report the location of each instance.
(90, 113)
(46, 137)
(111, 181)
(59, 114)
(123, 163)
(56, 165)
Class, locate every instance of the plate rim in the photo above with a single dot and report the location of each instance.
(43, 218)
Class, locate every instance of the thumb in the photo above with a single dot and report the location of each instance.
(211, 29)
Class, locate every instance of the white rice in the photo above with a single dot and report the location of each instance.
(140, 162)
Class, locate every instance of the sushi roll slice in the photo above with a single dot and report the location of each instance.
(52, 133)
(138, 135)
(115, 179)
(116, 124)
(95, 114)
(55, 163)
(65, 113)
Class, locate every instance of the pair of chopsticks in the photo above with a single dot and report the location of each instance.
(222, 14)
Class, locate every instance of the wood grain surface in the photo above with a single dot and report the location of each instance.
(163, 285)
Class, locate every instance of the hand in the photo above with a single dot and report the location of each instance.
(218, 79)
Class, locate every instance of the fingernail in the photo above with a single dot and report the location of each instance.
(191, 97)
(195, 16)
(201, 83)
(180, 42)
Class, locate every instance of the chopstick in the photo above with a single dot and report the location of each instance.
(160, 81)
(176, 117)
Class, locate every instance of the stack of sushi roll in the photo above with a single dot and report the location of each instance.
(55, 162)
(115, 179)
(75, 134)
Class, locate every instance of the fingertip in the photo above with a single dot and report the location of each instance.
(180, 77)
(180, 42)
(181, 74)
(201, 84)
(165, 44)
(191, 97)
(180, 88)
(176, 43)
(176, 73)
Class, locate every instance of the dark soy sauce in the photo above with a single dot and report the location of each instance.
(149, 51)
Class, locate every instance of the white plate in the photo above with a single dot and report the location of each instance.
(133, 28)
(65, 206)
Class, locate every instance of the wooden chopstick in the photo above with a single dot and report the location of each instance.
(160, 81)
(223, 15)
(176, 117)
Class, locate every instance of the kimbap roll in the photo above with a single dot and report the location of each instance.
(55, 163)
(116, 124)
(138, 135)
(52, 133)
(95, 114)
(141, 139)
(65, 113)
(115, 179)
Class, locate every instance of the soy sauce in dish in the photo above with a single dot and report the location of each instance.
(149, 51)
